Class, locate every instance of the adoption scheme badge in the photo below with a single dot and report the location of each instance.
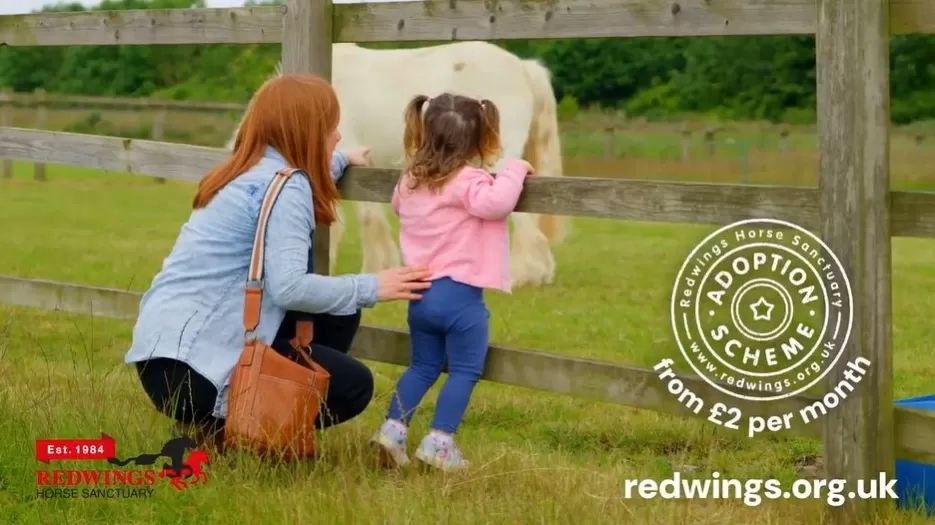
(762, 309)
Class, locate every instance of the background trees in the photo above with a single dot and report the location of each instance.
(771, 78)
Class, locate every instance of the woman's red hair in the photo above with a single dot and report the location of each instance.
(295, 114)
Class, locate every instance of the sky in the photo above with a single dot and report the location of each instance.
(12, 7)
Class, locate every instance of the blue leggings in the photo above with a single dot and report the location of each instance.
(450, 321)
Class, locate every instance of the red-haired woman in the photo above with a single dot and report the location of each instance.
(189, 333)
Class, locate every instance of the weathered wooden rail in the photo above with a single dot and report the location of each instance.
(449, 20)
(585, 378)
(54, 101)
(41, 102)
(853, 207)
(913, 213)
(157, 111)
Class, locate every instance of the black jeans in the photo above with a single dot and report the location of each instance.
(188, 397)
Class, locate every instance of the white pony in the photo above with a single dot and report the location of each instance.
(374, 87)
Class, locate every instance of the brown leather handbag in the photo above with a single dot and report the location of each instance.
(273, 401)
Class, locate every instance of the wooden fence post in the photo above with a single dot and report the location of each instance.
(155, 133)
(6, 120)
(306, 48)
(852, 51)
(686, 141)
(42, 113)
(710, 140)
(609, 142)
(784, 139)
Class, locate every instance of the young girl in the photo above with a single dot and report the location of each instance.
(452, 220)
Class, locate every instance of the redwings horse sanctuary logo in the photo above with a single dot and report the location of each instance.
(130, 478)
(762, 310)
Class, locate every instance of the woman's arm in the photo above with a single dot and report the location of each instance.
(339, 163)
(288, 239)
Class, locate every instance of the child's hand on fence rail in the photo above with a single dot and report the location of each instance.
(529, 169)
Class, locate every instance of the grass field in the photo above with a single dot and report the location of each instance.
(540, 458)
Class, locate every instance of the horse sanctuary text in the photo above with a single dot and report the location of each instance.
(762, 310)
(97, 483)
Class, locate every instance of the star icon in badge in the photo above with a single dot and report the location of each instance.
(762, 304)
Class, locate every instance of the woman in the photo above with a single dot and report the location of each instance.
(189, 333)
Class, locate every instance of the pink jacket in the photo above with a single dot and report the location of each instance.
(461, 232)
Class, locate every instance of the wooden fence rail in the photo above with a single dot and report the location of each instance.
(913, 212)
(42, 102)
(586, 378)
(853, 208)
(610, 125)
(55, 101)
(444, 21)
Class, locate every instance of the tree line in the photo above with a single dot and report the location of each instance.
(763, 77)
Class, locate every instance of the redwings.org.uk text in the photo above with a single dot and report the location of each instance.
(753, 491)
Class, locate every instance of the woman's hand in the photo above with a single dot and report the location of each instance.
(358, 156)
(400, 283)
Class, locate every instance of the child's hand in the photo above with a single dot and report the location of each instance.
(529, 169)
(358, 156)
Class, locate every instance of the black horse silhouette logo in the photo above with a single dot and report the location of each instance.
(175, 451)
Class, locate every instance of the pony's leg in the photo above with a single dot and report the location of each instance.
(337, 232)
(380, 251)
(378, 247)
(531, 259)
(544, 145)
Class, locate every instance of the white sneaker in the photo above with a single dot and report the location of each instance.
(441, 452)
(391, 441)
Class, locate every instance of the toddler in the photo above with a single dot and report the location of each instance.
(452, 220)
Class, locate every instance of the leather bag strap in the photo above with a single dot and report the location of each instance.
(303, 334)
(253, 289)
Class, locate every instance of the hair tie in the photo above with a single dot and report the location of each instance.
(423, 109)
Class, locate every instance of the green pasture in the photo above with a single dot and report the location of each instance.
(540, 458)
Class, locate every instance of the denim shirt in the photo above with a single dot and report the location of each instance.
(193, 310)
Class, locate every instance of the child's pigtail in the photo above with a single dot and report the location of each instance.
(489, 140)
(412, 136)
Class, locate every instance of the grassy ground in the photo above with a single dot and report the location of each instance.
(541, 458)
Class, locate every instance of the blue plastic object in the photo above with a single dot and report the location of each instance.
(915, 482)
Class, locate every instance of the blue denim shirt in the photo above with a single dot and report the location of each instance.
(193, 311)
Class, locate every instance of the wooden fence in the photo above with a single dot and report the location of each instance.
(40, 103)
(853, 207)
(157, 110)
